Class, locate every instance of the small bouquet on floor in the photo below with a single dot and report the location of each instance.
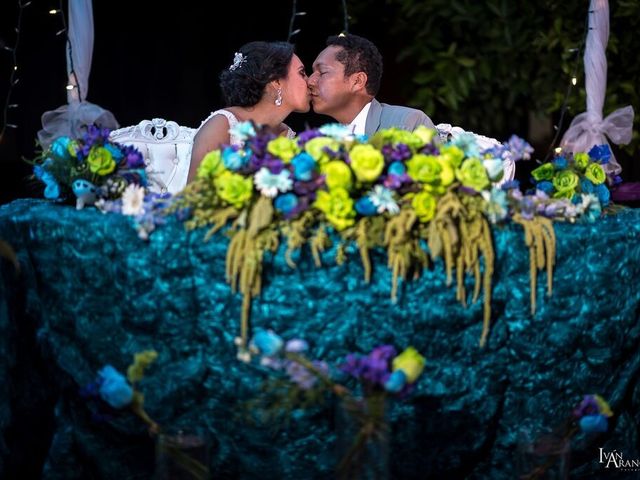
(89, 168)
(380, 375)
(589, 417)
(112, 392)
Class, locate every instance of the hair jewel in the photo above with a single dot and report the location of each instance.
(238, 60)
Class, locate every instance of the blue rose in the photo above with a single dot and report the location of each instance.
(594, 423)
(234, 159)
(115, 152)
(397, 168)
(545, 186)
(286, 203)
(600, 153)
(114, 388)
(396, 381)
(267, 342)
(586, 186)
(365, 207)
(303, 166)
(60, 148)
(603, 194)
(560, 163)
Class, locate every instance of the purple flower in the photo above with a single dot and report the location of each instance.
(133, 157)
(588, 406)
(304, 378)
(307, 135)
(519, 148)
(528, 208)
(510, 185)
(306, 188)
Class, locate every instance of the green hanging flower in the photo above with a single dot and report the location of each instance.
(473, 175)
(234, 189)
(283, 148)
(337, 206)
(101, 161)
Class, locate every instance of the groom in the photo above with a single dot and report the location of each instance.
(345, 80)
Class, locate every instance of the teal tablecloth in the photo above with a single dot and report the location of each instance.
(90, 292)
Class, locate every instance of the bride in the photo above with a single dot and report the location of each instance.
(265, 83)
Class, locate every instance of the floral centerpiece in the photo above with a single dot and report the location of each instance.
(89, 168)
(379, 376)
(396, 190)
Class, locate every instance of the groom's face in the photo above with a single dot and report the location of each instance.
(330, 90)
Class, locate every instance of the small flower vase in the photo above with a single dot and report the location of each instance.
(543, 456)
(182, 455)
(362, 429)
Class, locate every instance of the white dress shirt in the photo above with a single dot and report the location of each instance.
(358, 124)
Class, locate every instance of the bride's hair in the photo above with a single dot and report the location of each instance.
(243, 83)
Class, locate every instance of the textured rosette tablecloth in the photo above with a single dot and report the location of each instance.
(90, 293)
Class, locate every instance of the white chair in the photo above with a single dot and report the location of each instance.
(166, 148)
(446, 131)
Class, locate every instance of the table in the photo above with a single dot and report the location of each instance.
(91, 293)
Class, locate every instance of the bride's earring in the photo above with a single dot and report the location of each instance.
(278, 101)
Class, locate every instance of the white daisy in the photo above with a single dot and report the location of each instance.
(270, 184)
(382, 199)
(338, 131)
(133, 200)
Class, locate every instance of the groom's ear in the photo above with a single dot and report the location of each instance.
(359, 81)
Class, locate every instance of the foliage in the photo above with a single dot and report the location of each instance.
(509, 58)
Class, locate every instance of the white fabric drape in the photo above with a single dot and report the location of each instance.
(589, 128)
(71, 119)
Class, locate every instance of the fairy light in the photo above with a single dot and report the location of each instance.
(572, 83)
(294, 14)
(13, 79)
(53, 11)
(558, 150)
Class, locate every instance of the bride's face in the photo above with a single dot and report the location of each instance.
(294, 87)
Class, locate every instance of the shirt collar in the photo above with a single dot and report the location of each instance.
(358, 124)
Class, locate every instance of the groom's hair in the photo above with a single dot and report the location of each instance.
(254, 66)
(359, 55)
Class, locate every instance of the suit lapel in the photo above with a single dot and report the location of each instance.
(373, 118)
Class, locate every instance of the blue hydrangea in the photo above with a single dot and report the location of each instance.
(114, 388)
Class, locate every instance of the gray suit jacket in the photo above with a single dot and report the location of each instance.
(382, 116)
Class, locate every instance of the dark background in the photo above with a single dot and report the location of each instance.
(151, 60)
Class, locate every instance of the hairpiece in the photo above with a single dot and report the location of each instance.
(238, 60)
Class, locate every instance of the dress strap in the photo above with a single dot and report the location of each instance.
(233, 121)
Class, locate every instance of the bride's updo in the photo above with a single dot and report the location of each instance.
(253, 67)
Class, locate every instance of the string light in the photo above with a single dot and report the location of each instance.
(13, 80)
(345, 18)
(53, 11)
(294, 14)
(572, 83)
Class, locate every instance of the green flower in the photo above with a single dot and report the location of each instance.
(101, 161)
(234, 188)
(447, 175)
(73, 148)
(337, 206)
(581, 160)
(452, 154)
(410, 362)
(543, 172)
(568, 194)
(565, 180)
(283, 148)
(315, 147)
(424, 204)
(425, 134)
(366, 162)
(396, 135)
(212, 165)
(424, 168)
(595, 173)
(472, 174)
(338, 174)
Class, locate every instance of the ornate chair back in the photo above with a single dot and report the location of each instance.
(166, 147)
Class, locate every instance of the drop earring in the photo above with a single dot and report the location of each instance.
(278, 100)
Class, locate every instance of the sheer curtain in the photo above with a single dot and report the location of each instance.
(589, 128)
(71, 119)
